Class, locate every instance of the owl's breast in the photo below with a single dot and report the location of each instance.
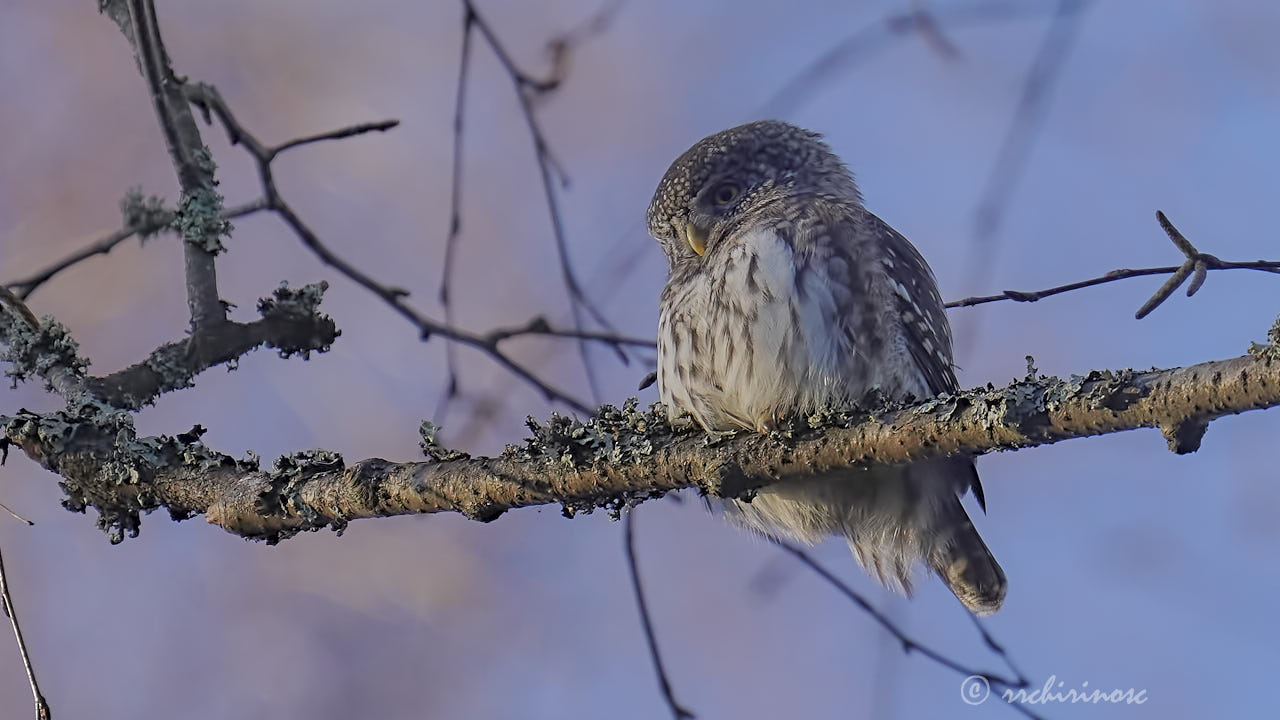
(761, 330)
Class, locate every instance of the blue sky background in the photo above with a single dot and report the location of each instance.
(1128, 566)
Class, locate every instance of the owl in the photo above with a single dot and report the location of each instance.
(785, 295)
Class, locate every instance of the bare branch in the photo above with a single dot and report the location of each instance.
(346, 132)
(15, 515)
(539, 326)
(1028, 117)
(208, 98)
(1271, 266)
(528, 89)
(455, 217)
(27, 285)
(678, 712)
(909, 644)
(881, 34)
(1197, 262)
(6, 602)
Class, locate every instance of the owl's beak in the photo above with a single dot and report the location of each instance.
(696, 237)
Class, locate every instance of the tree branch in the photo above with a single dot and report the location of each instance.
(528, 90)
(291, 323)
(678, 711)
(909, 645)
(6, 603)
(1197, 266)
(208, 99)
(616, 456)
(199, 211)
(882, 33)
(143, 227)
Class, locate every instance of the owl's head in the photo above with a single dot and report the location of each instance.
(736, 172)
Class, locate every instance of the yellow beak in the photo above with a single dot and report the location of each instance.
(696, 237)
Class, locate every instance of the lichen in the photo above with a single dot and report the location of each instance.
(146, 212)
(431, 447)
(169, 363)
(39, 352)
(281, 496)
(198, 217)
(612, 436)
(102, 462)
(1269, 350)
(301, 308)
(626, 435)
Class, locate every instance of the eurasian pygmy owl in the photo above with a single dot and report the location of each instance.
(785, 295)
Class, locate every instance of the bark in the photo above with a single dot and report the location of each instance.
(618, 456)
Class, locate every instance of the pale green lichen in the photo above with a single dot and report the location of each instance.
(293, 303)
(199, 215)
(612, 436)
(102, 462)
(146, 212)
(281, 496)
(300, 306)
(1269, 350)
(429, 434)
(38, 352)
(170, 364)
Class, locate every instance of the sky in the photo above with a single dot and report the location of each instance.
(1128, 566)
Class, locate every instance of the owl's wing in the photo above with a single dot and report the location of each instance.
(924, 320)
(920, 307)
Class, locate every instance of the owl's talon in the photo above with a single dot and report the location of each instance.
(716, 437)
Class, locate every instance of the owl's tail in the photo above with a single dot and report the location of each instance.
(961, 559)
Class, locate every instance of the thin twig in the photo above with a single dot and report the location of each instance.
(15, 515)
(1197, 264)
(989, 640)
(908, 643)
(1028, 117)
(539, 326)
(1015, 150)
(6, 602)
(346, 132)
(24, 287)
(577, 299)
(527, 89)
(595, 24)
(1270, 266)
(455, 217)
(871, 39)
(208, 99)
(926, 23)
(646, 622)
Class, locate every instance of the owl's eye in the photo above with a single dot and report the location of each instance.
(725, 193)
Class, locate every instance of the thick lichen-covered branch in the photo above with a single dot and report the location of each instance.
(617, 456)
(291, 323)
